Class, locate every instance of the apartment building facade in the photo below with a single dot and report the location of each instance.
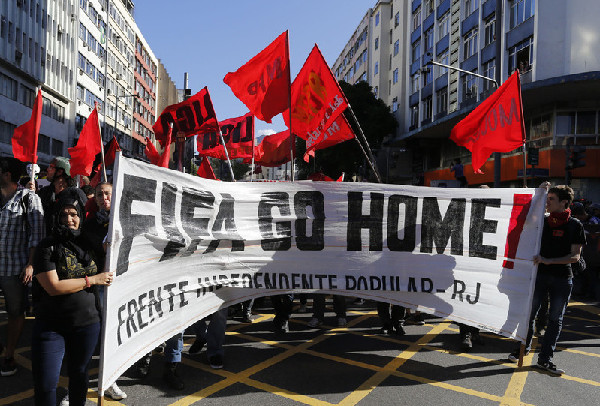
(37, 42)
(80, 53)
(550, 42)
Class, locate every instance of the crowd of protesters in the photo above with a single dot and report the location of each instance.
(53, 238)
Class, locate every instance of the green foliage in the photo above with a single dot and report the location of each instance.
(376, 121)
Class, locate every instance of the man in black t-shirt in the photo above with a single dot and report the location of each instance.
(563, 238)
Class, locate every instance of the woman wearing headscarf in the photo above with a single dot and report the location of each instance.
(67, 316)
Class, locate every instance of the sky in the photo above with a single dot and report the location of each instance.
(208, 38)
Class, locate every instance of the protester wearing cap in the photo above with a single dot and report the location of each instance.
(58, 172)
(67, 315)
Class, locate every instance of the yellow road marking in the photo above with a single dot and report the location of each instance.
(512, 395)
(586, 307)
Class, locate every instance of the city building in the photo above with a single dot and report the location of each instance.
(552, 43)
(37, 40)
(79, 53)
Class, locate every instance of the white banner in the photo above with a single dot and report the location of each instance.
(184, 246)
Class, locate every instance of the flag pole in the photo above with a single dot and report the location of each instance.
(292, 137)
(253, 168)
(226, 152)
(38, 89)
(101, 147)
(369, 157)
(524, 134)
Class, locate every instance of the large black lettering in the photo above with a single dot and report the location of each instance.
(195, 227)
(434, 229)
(372, 222)
(480, 225)
(225, 219)
(315, 199)
(507, 119)
(134, 189)
(185, 118)
(265, 222)
(209, 140)
(410, 223)
(167, 213)
(274, 71)
(249, 130)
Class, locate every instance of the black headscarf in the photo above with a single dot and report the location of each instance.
(71, 197)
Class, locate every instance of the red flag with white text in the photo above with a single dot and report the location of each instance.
(338, 131)
(496, 125)
(88, 146)
(195, 115)
(238, 134)
(263, 83)
(317, 99)
(25, 137)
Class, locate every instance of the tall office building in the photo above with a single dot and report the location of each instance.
(145, 76)
(37, 40)
(550, 42)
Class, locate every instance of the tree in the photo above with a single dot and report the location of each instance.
(376, 121)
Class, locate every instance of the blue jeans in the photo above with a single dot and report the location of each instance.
(559, 291)
(173, 348)
(48, 348)
(213, 333)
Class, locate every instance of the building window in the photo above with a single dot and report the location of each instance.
(414, 83)
(521, 10)
(397, 20)
(429, 6)
(6, 132)
(470, 6)
(2, 26)
(376, 91)
(377, 43)
(444, 26)
(470, 43)
(416, 51)
(8, 87)
(395, 104)
(377, 19)
(427, 75)
(396, 47)
(416, 19)
(490, 30)
(489, 70)
(443, 58)
(414, 116)
(428, 39)
(376, 68)
(427, 105)
(26, 96)
(441, 101)
(395, 76)
(521, 56)
(44, 144)
(57, 147)
(469, 86)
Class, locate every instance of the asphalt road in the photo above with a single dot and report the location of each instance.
(355, 365)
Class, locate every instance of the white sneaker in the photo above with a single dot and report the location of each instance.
(115, 393)
(314, 322)
(65, 400)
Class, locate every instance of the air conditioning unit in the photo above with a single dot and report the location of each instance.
(81, 71)
(73, 16)
(119, 76)
(18, 55)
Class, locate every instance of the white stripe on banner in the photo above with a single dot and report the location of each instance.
(183, 247)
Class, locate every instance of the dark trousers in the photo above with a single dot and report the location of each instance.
(339, 306)
(48, 348)
(282, 304)
(388, 320)
(558, 289)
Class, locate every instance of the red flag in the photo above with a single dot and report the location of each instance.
(263, 83)
(195, 115)
(317, 99)
(319, 177)
(339, 131)
(496, 125)
(25, 136)
(341, 178)
(274, 150)
(88, 145)
(155, 158)
(238, 134)
(205, 170)
(109, 160)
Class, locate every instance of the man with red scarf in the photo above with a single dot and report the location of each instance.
(563, 238)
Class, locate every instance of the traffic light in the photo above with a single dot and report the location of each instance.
(533, 156)
(576, 158)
